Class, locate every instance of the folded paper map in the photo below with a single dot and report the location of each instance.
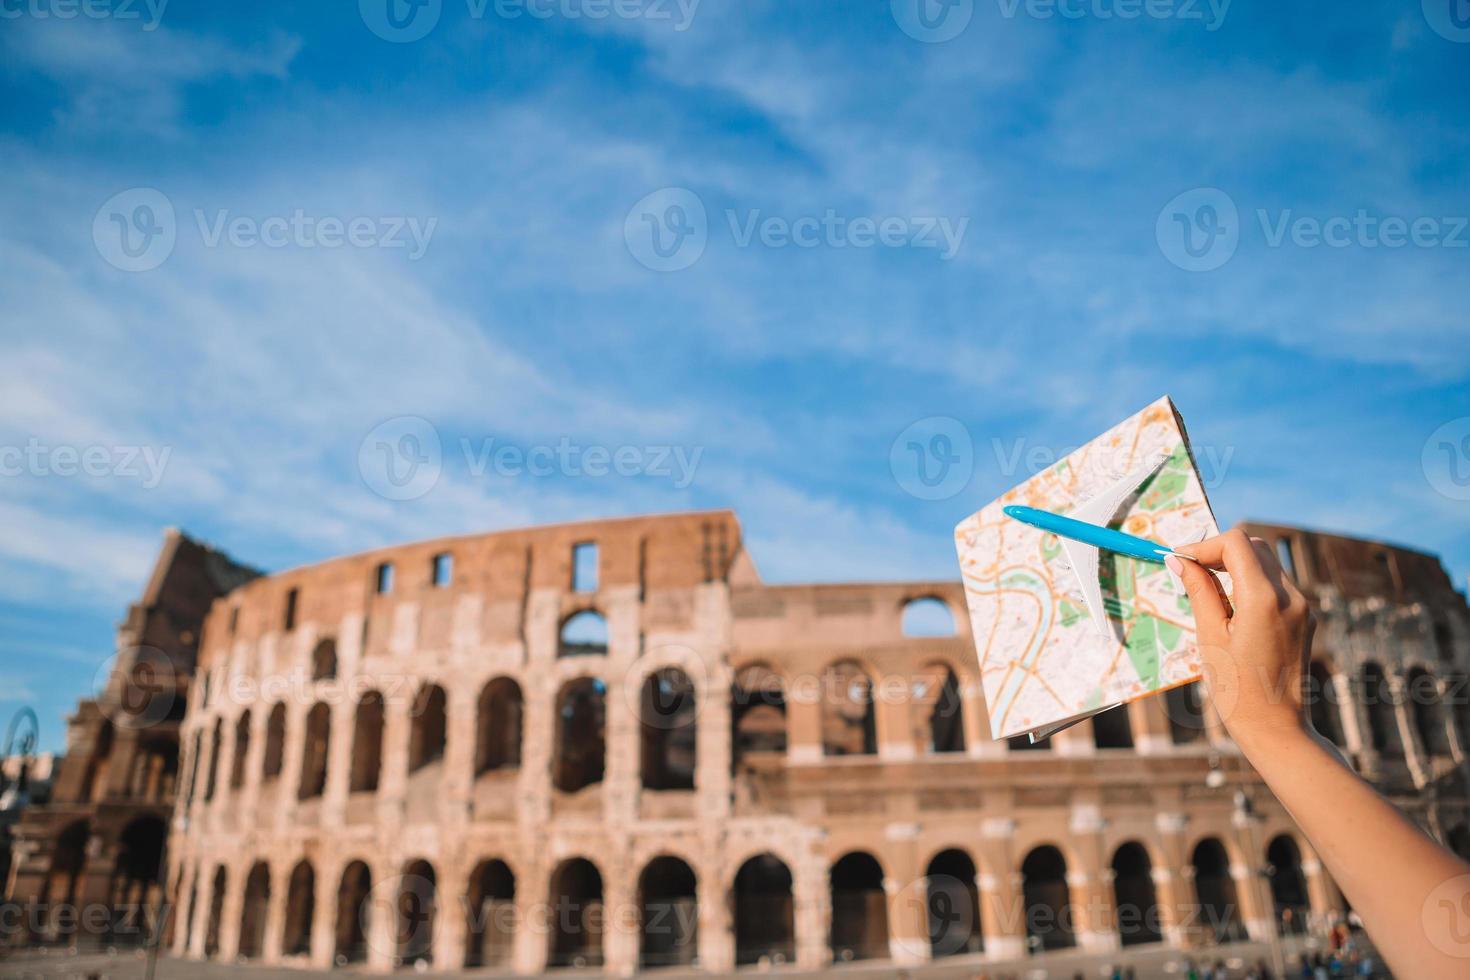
(1044, 662)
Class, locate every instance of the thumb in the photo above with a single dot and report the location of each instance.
(1210, 615)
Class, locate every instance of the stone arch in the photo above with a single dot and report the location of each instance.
(498, 724)
(315, 751)
(134, 889)
(429, 728)
(577, 914)
(952, 899)
(1214, 889)
(926, 616)
(849, 714)
(1322, 704)
(254, 910)
(275, 743)
(939, 717)
(414, 911)
(1378, 699)
(859, 908)
(241, 751)
(490, 910)
(580, 750)
(757, 713)
(1289, 897)
(668, 714)
(582, 634)
(324, 660)
(1047, 899)
(1135, 900)
(764, 911)
(367, 743)
(668, 903)
(1426, 712)
(354, 910)
(300, 910)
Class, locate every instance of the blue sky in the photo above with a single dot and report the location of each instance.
(505, 174)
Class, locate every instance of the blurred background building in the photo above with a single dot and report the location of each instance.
(610, 743)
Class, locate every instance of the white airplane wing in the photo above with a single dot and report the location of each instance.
(1100, 508)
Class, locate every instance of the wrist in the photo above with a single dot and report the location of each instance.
(1271, 740)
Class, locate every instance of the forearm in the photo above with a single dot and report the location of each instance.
(1418, 921)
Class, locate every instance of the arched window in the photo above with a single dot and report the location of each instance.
(765, 915)
(1322, 703)
(1186, 710)
(1047, 899)
(135, 877)
(430, 725)
(367, 743)
(1219, 908)
(576, 911)
(859, 909)
(196, 749)
(938, 710)
(242, 751)
(353, 913)
(416, 907)
(491, 911)
(849, 722)
(1378, 698)
(581, 718)
(669, 914)
(668, 712)
(498, 726)
(1288, 885)
(211, 777)
(953, 902)
(583, 634)
(324, 660)
(1134, 897)
(275, 743)
(68, 863)
(1429, 724)
(253, 911)
(155, 770)
(300, 907)
(1112, 729)
(315, 748)
(927, 616)
(216, 913)
(757, 713)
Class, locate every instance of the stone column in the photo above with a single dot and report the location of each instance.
(324, 913)
(1150, 723)
(893, 716)
(1322, 891)
(275, 915)
(976, 720)
(457, 783)
(813, 901)
(1416, 754)
(294, 746)
(393, 775)
(621, 934)
(382, 930)
(339, 764)
(231, 910)
(1174, 882)
(532, 938)
(1092, 905)
(1002, 911)
(716, 925)
(1252, 891)
(804, 724)
(1075, 741)
(907, 891)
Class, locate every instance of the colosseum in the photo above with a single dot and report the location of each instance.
(610, 744)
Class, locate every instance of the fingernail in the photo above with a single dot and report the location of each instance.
(1173, 564)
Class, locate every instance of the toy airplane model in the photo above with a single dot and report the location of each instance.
(1084, 532)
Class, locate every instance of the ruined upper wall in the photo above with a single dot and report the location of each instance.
(650, 554)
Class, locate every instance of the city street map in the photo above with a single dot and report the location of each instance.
(1044, 663)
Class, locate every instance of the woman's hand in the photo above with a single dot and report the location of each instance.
(1253, 657)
